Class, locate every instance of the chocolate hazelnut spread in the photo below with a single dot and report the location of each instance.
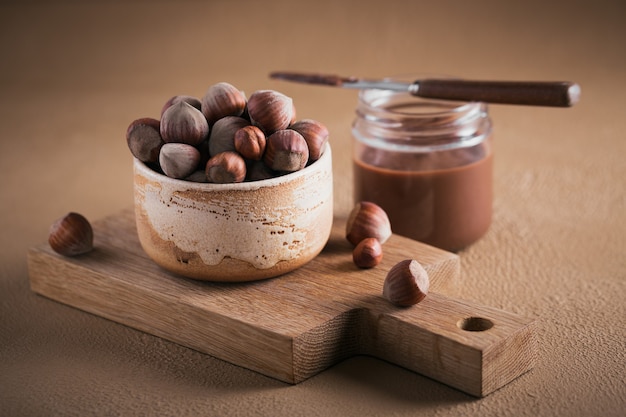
(449, 208)
(428, 164)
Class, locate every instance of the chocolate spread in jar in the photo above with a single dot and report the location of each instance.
(442, 198)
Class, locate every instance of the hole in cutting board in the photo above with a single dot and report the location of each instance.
(474, 324)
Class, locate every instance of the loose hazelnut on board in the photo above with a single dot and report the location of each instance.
(144, 139)
(195, 102)
(286, 151)
(226, 167)
(222, 137)
(368, 253)
(71, 235)
(367, 219)
(183, 123)
(270, 110)
(179, 160)
(250, 142)
(406, 283)
(221, 100)
(315, 134)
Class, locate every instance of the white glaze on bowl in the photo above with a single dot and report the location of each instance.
(234, 232)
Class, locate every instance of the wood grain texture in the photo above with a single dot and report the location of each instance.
(297, 325)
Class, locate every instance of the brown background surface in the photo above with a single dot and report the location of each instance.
(73, 74)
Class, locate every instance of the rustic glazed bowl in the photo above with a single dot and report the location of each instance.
(234, 232)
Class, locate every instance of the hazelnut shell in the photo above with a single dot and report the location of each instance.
(315, 134)
(221, 100)
(270, 110)
(179, 160)
(286, 151)
(368, 253)
(71, 235)
(250, 142)
(143, 138)
(406, 283)
(367, 219)
(222, 137)
(226, 167)
(195, 102)
(183, 123)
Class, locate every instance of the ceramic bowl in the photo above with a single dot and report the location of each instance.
(234, 232)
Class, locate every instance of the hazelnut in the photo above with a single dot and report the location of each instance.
(294, 116)
(197, 176)
(222, 137)
(144, 139)
(406, 283)
(221, 100)
(203, 148)
(183, 123)
(368, 253)
(179, 160)
(226, 167)
(286, 151)
(195, 102)
(250, 142)
(71, 235)
(367, 219)
(257, 171)
(315, 134)
(270, 110)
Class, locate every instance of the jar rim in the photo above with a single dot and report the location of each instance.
(375, 99)
(401, 121)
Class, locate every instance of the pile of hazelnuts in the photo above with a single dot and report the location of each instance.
(224, 137)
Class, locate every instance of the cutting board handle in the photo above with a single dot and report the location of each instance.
(473, 348)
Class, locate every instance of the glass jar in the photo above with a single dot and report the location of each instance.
(427, 163)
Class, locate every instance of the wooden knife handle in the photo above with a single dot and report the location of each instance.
(533, 93)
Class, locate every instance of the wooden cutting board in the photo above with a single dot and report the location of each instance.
(295, 326)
